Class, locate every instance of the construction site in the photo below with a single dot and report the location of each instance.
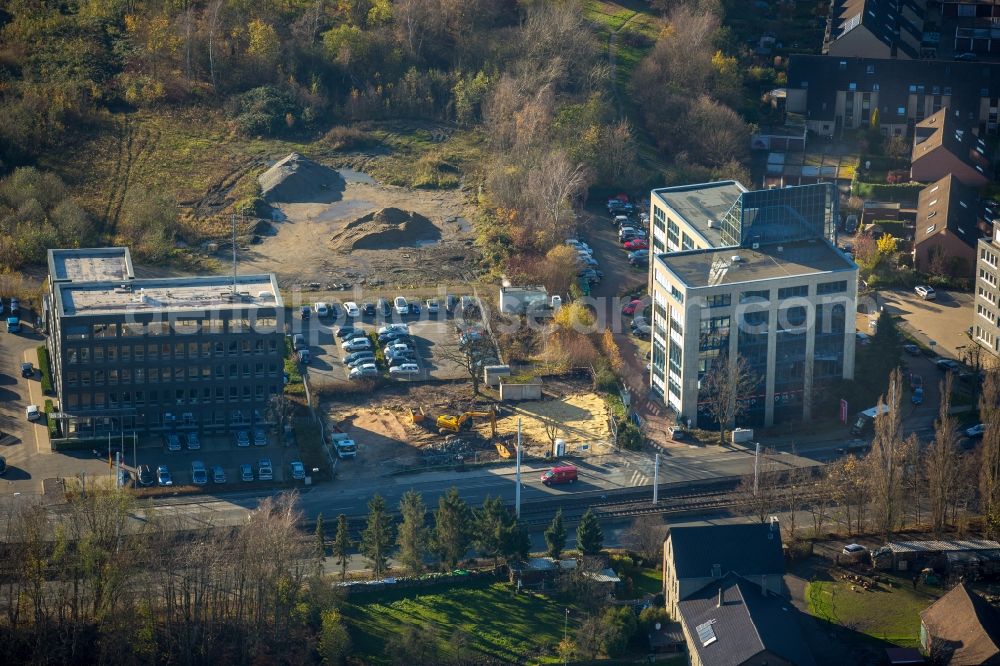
(432, 425)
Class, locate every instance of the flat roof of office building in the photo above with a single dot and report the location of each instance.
(168, 295)
(732, 265)
(703, 204)
(100, 264)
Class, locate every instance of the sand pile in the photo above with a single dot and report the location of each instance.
(386, 229)
(298, 179)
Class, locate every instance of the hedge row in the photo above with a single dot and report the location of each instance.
(901, 193)
(45, 369)
(49, 421)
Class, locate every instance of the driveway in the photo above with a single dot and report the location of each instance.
(941, 324)
(30, 460)
(619, 279)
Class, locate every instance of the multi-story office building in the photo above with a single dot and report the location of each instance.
(761, 278)
(162, 354)
(986, 316)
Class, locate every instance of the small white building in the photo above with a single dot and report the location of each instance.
(518, 300)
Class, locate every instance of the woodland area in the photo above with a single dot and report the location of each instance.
(540, 88)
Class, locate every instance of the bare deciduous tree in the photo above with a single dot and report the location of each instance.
(758, 493)
(886, 460)
(989, 467)
(646, 535)
(725, 387)
(941, 460)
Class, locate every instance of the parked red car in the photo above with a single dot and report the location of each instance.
(637, 244)
(565, 474)
(632, 307)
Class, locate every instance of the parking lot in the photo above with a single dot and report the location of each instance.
(434, 339)
(25, 445)
(215, 450)
(941, 324)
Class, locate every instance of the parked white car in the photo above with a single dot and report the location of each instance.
(321, 309)
(352, 309)
(32, 413)
(393, 327)
(925, 292)
(397, 348)
(402, 307)
(357, 344)
(364, 370)
(405, 369)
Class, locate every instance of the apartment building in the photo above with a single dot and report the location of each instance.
(986, 314)
(947, 231)
(751, 274)
(942, 146)
(837, 94)
(875, 28)
(161, 354)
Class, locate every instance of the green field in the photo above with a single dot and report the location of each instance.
(890, 614)
(510, 627)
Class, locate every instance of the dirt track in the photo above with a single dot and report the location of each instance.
(301, 250)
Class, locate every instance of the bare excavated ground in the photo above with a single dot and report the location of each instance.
(311, 245)
(387, 437)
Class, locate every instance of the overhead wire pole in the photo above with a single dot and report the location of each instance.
(517, 473)
(656, 480)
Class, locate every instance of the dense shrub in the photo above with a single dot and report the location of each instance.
(264, 111)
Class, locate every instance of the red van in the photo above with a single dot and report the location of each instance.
(565, 474)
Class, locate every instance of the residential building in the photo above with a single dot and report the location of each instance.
(725, 585)
(986, 317)
(837, 94)
(961, 628)
(697, 555)
(737, 622)
(751, 274)
(947, 234)
(159, 354)
(968, 27)
(875, 28)
(942, 146)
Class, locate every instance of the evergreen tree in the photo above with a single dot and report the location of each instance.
(490, 524)
(320, 539)
(377, 537)
(412, 537)
(555, 536)
(515, 543)
(589, 535)
(342, 545)
(452, 528)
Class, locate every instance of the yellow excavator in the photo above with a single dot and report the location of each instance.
(464, 422)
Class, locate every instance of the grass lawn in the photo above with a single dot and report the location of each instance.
(510, 628)
(892, 615)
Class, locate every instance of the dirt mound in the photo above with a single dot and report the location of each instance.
(386, 229)
(298, 179)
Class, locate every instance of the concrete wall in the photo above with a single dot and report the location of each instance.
(520, 391)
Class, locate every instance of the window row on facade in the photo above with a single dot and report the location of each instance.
(169, 351)
(242, 326)
(128, 376)
(192, 396)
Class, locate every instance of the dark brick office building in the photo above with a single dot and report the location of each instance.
(195, 354)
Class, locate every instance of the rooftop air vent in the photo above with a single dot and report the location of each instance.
(780, 248)
(736, 259)
(755, 246)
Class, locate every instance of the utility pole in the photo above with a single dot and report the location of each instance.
(118, 469)
(517, 473)
(233, 217)
(656, 480)
(135, 461)
(756, 468)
